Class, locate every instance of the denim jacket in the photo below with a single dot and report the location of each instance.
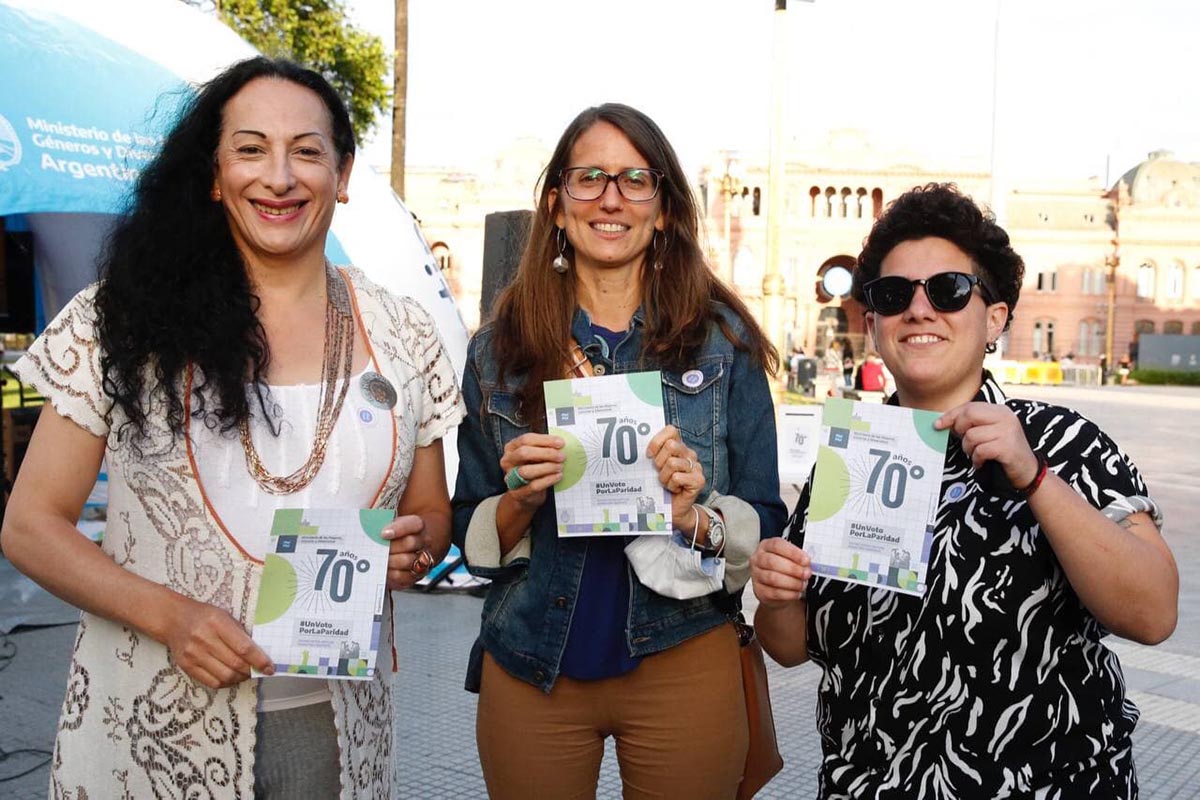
(727, 417)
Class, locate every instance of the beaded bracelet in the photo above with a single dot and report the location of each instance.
(1043, 468)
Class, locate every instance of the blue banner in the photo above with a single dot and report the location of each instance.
(79, 115)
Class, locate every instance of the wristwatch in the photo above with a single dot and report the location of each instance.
(716, 529)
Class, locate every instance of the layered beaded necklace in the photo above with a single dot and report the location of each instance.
(337, 360)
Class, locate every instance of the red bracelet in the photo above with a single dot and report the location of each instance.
(1043, 468)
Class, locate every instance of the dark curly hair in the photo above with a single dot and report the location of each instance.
(941, 210)
(173, 287)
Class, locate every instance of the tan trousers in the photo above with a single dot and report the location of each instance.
(679, 719)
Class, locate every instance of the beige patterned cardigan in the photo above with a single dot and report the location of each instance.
(133, 725)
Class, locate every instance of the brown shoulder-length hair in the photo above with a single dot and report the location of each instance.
(532, 321)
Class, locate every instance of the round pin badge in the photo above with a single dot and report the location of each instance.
(955, 491)
(693, 378)
(378, 390)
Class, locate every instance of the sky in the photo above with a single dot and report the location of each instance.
(1080, 87)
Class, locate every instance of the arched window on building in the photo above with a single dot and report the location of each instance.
(1091, 337)
(1196, 328)
(876, 203)
(1173, 327)
(441, 253)
(1146, 275)
(862, 201)
(1047, 281)
(1043, 337)
(1142, 326)
(1093, 281)
(813, 194)
(1175, 280)
(845, 206)
(830, 193)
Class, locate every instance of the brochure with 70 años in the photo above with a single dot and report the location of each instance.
(320, 604)
(875, 494)
(609, 484)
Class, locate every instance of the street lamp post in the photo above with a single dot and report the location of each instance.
(1113, 262)
(772, 287)
(731, 187)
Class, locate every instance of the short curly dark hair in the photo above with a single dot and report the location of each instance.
(941, 210)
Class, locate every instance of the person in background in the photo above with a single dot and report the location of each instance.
(573, 647)
(847, 363)
(1124, 367)
(870, 374)
(794, 368)
(995, 682)
(224, 369)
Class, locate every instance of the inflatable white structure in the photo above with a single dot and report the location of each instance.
(88, 88)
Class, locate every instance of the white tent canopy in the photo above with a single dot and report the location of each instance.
(90, 87)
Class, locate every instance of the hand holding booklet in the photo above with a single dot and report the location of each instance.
(875, 494)
(320, 603)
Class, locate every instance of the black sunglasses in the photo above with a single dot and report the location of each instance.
(947, 292)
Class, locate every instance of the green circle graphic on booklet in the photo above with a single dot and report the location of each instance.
(373, 520)
(923, 424)
(278, 590)
(829, 502)
(646, 386)
(576, 464)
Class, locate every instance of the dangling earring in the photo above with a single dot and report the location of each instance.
(342, 197)
(216, 194)
(560, 263)
(654, 252)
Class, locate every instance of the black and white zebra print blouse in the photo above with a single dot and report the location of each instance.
(995, 683)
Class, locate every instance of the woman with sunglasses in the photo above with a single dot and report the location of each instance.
(573, 646)
(995, 682)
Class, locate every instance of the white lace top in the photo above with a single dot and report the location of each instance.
(133, 724)
(355, 465)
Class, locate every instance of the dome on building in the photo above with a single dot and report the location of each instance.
(1163, 180)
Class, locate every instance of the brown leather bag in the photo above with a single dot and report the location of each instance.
(763, 761)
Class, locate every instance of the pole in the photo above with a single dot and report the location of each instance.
(1114, 263)
(772, 317)
(998, 198)
(726, 199)
(400, 98)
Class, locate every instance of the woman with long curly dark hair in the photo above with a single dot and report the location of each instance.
(224, 370)
(577, 643)
(995, 681)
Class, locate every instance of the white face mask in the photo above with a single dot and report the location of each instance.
(670, 566)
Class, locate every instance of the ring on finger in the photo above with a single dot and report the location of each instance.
(422, 563)
(513, 479)
(691, 465)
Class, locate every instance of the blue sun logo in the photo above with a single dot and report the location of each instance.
(10, 145)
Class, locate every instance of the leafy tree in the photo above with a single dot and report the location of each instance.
(317, 34)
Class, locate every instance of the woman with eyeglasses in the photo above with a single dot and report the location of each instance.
(995, 682)
(574, 647)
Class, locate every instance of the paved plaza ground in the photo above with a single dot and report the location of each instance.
(1157, 426)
